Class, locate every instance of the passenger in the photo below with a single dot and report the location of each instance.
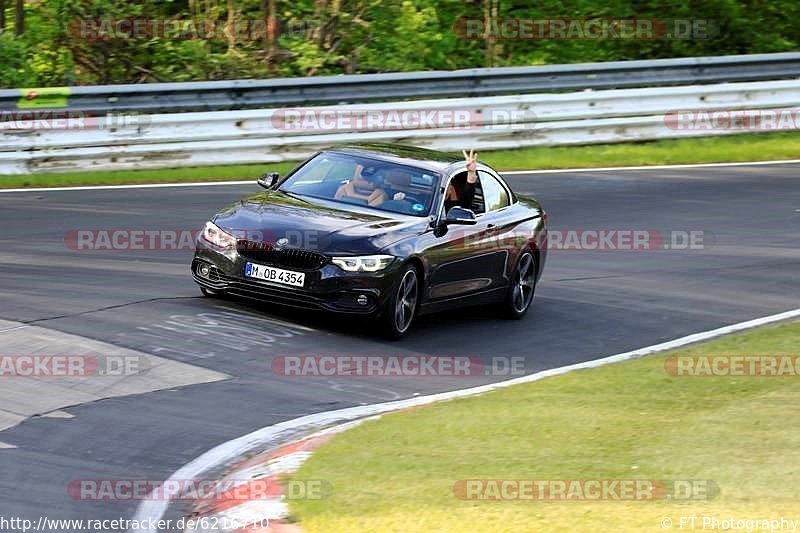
(397, 181)
(360, 188)
(461, 192)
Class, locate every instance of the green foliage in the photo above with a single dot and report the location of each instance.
(320, 37)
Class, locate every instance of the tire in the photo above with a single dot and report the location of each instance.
(522, 288)
(211, 293)
(399, 312)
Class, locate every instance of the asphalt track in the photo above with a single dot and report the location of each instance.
(589, 304)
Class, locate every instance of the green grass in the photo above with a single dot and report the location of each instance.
(746, 147)
(630, 420)
(123, 177)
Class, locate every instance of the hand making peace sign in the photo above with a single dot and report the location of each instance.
(472, 164)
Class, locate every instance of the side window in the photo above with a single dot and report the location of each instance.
(422, 180)
(495, 195)
(477, 200)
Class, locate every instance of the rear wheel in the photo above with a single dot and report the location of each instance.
(522, 288)
(399, 312)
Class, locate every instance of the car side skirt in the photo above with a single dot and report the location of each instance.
(490, 296)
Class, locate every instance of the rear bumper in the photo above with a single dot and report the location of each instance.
(328, 288)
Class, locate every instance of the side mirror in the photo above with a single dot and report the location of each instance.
(269, 180)
(459, 215)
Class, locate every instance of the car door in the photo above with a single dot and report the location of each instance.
(501, 217)
(469, 259)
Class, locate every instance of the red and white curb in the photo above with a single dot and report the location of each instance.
(152, 510)
(268, 513)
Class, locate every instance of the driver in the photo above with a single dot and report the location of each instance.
(360, 188)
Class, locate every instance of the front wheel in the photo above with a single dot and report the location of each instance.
(522, 287)
(211, 293)
(401, 308)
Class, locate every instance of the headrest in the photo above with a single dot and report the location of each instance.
(397, 178)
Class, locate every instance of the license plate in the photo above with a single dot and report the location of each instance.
(277, 275)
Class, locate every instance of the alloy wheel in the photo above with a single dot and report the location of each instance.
(406, 301)
(524, 283)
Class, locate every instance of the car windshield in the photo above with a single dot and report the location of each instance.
(368, 182)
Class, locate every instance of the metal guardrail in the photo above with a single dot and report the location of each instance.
(250, 94)
(496, 122)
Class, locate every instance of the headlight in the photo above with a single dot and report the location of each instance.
(364, 263)
(218, 237)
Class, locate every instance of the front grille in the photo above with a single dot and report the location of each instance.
(288, 296)
(214, 274)
(266, 253)
(274, 294)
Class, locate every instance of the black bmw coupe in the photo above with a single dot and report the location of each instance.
(363, 230)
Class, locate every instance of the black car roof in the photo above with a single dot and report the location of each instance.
(401, 154)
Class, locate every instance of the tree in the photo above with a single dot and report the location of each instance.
(19, 21)
(231, 24)
(491, 9)
(63, 45)
(269, 13)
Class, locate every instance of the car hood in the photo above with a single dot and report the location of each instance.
(316, 224)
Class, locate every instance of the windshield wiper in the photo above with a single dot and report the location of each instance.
(294, 195)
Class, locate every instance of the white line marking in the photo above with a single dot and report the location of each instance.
(6, 446)
(507, 172)
(58, 414)
(14, 328)
(152, 510)
(131, 186)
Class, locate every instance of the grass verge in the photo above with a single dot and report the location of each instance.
(729, 149)
(736, 148)
(631, 420)
(127, 177)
